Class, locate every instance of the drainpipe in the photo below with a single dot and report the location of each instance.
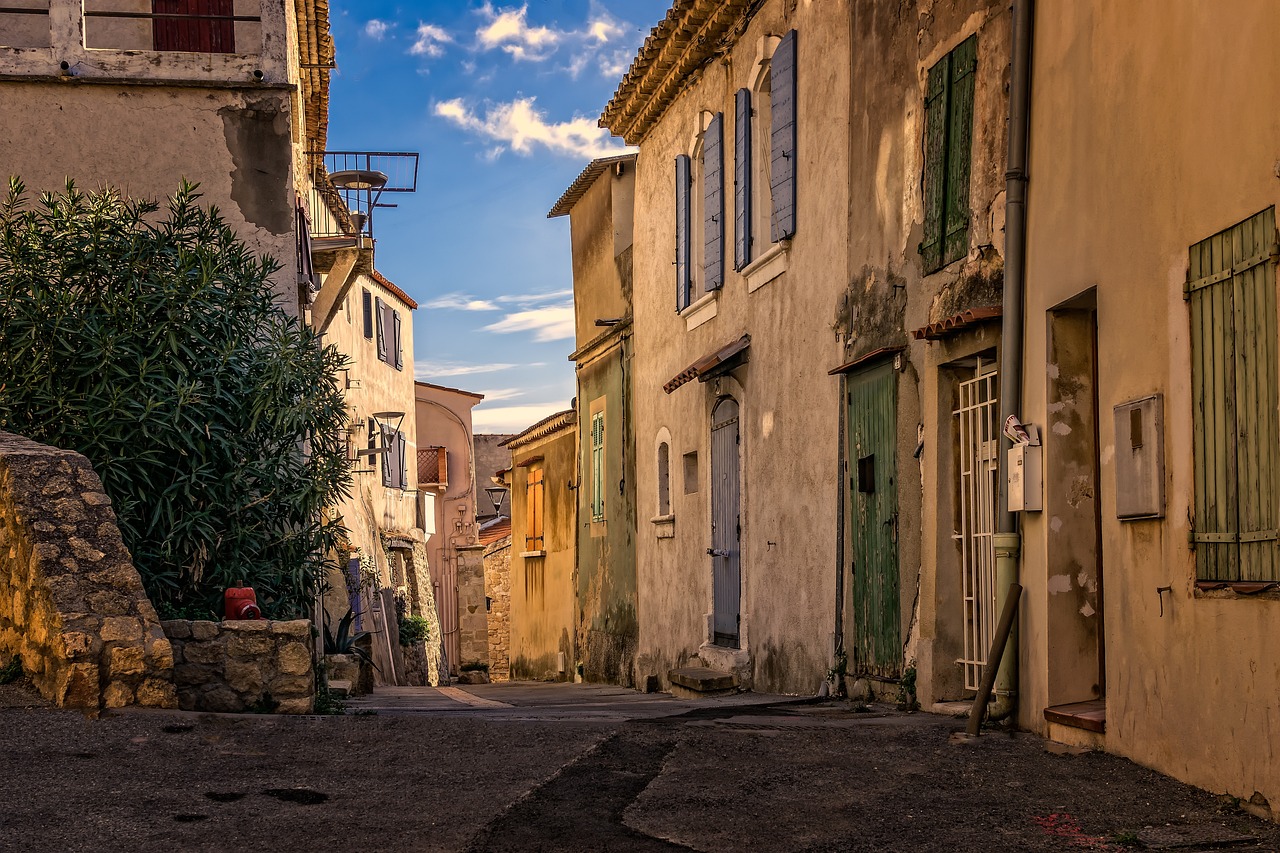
(1007, 539)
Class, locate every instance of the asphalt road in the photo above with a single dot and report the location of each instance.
(576, 767)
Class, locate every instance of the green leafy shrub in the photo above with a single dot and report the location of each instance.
(12, 671)
(413, 629)
(149, 341)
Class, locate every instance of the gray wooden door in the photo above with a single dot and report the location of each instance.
(874, 502)
(726, 529)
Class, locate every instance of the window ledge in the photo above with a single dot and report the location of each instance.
(701, 311)
(527, 554)
(1238, 590)
(768, 266)
(664, 526)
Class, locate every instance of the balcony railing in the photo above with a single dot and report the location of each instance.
(356, 182)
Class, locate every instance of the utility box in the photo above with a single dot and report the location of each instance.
(1026, 478)
(1139, 458)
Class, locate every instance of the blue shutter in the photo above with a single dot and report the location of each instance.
(380, 313)
(366, 302)
(388, 457)
(713, 203)
(742, 179)
(404, 461)
(395, 339)
(684, 275)
(782, 96)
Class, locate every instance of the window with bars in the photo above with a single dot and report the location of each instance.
(1231, 288)
(597, 466)
(533, 506)
(948, 141)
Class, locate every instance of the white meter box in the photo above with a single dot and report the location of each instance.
(1026, 478)
(1139, 458)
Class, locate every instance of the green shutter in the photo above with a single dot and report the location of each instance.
(964, 63)
(597, 466)
(1235, 396)
(935, 162)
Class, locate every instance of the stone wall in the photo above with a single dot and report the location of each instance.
(473, 621)
(497, 588)
(253, 665)
(72, 605)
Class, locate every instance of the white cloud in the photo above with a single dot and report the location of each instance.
(509, 30)
(521, 126)
(552, 323)
(616, 63)
(461, 302)
(604, 29)
(430, 371)
(535, 298)
(376, 29)
(512, 419)
(494, 395)
(430, 41)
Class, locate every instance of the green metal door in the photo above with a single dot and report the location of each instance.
(873, 501)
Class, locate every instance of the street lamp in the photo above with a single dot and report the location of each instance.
(496, 495)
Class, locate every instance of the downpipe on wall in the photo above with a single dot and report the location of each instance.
(1008, 539)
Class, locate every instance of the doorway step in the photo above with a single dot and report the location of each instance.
(1090, 716)
(700, 682)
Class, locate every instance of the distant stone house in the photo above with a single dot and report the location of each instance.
(544, 509)
(599, 204)
(814, 183)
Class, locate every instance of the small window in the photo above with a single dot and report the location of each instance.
(664, 479)
(691, 473)
(533, 506)
(948, 139)
(366, 302)
(597, 466)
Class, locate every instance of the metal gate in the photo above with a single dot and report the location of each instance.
(873, 472)
(726, 530)
(978, 423)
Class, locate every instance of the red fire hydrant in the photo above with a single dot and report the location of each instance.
(240, 602)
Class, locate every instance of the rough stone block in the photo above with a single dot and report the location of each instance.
(110, 603)
(160, 654)
(121, 629)
(220, 699)
(201, 630)
(192, 674)
(84, 550)
(206, 653)
(249, 647)
(300, 628)
(304, 705)
(95, 498)
(157, 693)
(178, 629)
(117, 695)
(78, 686)
(124, 661)
(246, 626)
(243, 677)
(294, 659)
(285, 686)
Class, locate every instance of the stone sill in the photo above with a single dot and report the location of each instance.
(664, 526)
(701, 311)
(528, 554)
(767, 267)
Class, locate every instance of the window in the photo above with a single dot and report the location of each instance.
(597, 466)
(390, 349)
(366, 303)
(1231, 286)
(691, 473)
(533, 504)
(664, 479)
(199, 26)
(948, 138)
(700, 215)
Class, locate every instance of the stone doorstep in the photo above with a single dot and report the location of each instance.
(702, 680)
(340, 687)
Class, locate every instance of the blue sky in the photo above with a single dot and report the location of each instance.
(501, 100)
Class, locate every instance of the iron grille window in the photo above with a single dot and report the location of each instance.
(1231, 286)
(948, 140)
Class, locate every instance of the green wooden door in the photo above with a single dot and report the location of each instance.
(873, 501)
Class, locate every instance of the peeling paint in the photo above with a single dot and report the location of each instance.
(1059, 584)
(1055, 524)
(1061, 428)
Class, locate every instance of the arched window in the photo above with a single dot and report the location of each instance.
(664, 479)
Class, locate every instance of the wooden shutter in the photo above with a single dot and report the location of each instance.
(380, 314)
(403, 458)
(533, 538)
(964, 63)
(684, 273)
(366, 303)
(1235, 396)
(209, 29)
(395, 340)
(713, 203)
(306, 270)
(742, 179)
(389, 462)
(782, 98)
(936, 93)
(597, 466)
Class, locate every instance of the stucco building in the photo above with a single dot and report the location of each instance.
(600, 206)
(830, 179)
(544, 507)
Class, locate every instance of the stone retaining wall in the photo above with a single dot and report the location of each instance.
(72, 605)
(473, 619)
(253, 665)
(497, 587)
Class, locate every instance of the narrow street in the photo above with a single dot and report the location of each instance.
(578, 767)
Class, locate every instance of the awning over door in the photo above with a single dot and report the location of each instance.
(713, 364)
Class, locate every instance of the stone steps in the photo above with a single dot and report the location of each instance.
(700, 682)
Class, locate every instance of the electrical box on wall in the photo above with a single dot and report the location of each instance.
(1139, 458)
(1026, 478)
